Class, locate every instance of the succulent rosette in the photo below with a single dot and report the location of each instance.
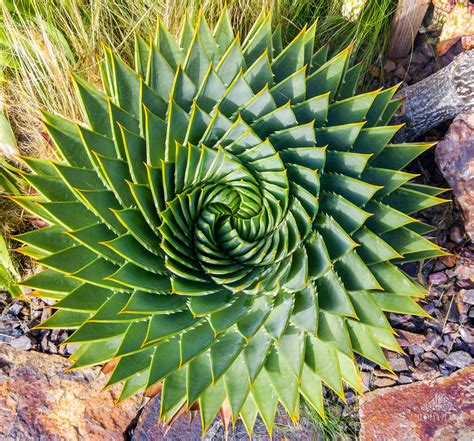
(226, 225)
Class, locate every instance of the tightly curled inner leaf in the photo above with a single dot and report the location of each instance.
(228, 221)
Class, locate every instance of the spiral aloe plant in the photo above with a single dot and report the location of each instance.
(227, 223)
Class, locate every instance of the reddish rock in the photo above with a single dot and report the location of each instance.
(455, 158)
(38, 400)
(408, 338)
(449, 261)
(440, 409)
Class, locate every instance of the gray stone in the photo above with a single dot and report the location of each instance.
(467, 334)
(23, 343)
(397, 362)
(405, 379)
(426, 370)
(459, 359)
(467, 296)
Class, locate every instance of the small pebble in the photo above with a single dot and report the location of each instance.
(459, 359)
(23, 343)
(438, 278)
(445, 369)
(456, 234)
(405, 379)
(467, 296)
(390, 66)
(350, 397)
(427, 370)
(449, 261)
(430, 356)
(384, 382)
(15, 308)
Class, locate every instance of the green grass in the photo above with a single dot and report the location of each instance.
(41, 41)
(335, 425)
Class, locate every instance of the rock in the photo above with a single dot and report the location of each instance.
(450, 328)
(416, 350)
(408, 338)
(467, 296)
(430, 308)
(428, 50)
(467, 334)
(405, 379)
(456, 234)
(375, 71)
(397, 362)
(400, 72)
(453, 314)
(426, 370)
(437, 278)
(398, 320)
(446, 369)
(462, 307)
(419, 58)
(23, 343)
(15, 308)
(455, 158)
(390, 66)
(366, 378)
(440, 354)
(459, 359)
(430, 356)
(350, 398)
(188, 427)
(385, 374)
(38, 400)
(448, 261)
(384, 382)
(416, 361)
(429, 410)
(465, 272)
(432, 340)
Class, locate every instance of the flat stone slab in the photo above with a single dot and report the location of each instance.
(39, 401)
(441, 409)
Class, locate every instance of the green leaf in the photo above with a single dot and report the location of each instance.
(224, 351)
(266, 399)
(7, 138)
(364, 343)
(290, 59)
(198, 378)
(328, 77)
(210, 403)
(333, 296)
(167, 325)
(323, 361)
(237, 386)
